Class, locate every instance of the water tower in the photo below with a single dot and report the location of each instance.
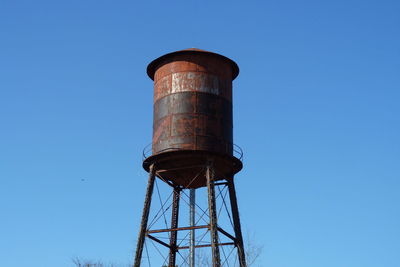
(192, 148)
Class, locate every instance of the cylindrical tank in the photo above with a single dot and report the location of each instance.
(192, 109)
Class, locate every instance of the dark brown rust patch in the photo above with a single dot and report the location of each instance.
(206, 118)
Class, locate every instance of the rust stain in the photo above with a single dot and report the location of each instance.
(193, 102)
(193, 111)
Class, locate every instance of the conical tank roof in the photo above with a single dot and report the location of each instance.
(155, 64)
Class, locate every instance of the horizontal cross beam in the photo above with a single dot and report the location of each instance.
(177, 229)
(209, 245)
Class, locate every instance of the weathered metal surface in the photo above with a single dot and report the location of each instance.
(208, 64)
(158, 241)
(236, 223)
(211, 173)
(145, 217)
(226, 234)
(216, 260)
(192, 121)
(192, 143)
(174, 224)
(178, 229)
(209, 245)
(192, 222)
(192, 106)
(193, 102)
(184, 167)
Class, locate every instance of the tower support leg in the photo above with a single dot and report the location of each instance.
(213, 216)
(236, 222)
(192, 219)
(174, 224)
(145, 217)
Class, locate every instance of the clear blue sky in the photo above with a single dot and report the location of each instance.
(316, 111)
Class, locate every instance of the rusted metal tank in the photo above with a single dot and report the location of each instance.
(192, 119)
